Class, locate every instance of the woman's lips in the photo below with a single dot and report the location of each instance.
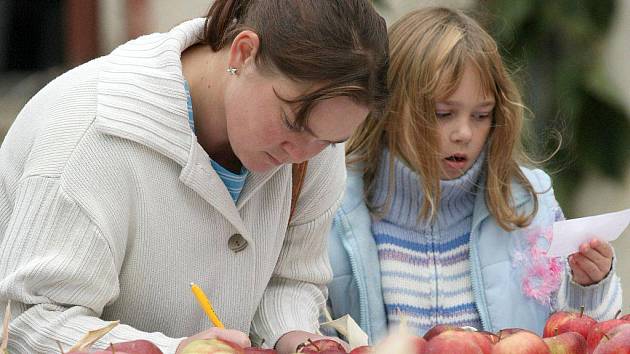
(274, 160)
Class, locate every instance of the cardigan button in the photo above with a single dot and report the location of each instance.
(237, 243)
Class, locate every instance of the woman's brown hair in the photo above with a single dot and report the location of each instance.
(339, 43)
(430, 48)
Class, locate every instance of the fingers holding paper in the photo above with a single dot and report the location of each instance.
(592, 262)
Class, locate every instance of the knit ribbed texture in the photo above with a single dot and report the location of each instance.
(601, 301)
(109, 208)
(425, 267)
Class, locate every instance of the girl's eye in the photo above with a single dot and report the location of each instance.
(482, 116)
(442, 114)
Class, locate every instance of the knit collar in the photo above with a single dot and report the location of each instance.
(140, 93)
(457, 195)
(141, 97)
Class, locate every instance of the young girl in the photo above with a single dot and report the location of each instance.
(440, 223)
(115, 194)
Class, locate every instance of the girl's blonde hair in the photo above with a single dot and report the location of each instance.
(429, 49)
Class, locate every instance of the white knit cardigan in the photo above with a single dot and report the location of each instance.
(109, 208)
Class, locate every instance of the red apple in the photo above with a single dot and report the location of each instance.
(564, 321)
(566, 343)
(484, 341)
(438, 329)
(505, 332)
(521, 342)
(104, 351)
(364, 349)
(327, 346)
(597, 332)
(253, 350)
(492, 338)
(460, 342)
(140, 346)
(615, 341)
(212, 346)
(418, 344)
(401, 341)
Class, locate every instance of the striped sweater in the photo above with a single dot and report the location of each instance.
(425, 268)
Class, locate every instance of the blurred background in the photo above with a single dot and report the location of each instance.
(571, 59)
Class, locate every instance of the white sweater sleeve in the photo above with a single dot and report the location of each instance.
(297, 291)
(601, 300)
(59, 273)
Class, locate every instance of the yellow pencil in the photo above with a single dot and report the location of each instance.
(205, 305)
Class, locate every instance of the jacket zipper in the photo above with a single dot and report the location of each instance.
(475, 274)
(477, 283)
(364, 320)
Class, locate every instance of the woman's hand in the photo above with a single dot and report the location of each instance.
(232, 335)
(592, 263)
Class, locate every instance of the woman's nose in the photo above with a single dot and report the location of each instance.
(302, 149)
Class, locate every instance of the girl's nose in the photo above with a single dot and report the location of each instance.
(462, 131)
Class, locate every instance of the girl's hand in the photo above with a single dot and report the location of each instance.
(231, 335)
(592, 263)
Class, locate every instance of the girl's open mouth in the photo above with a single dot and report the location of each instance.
(456, 161)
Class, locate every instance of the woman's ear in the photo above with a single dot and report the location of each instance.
(244, 49)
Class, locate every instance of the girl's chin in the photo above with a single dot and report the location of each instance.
(449, 172)
(449, 177)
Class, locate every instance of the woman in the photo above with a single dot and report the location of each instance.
(115, 194)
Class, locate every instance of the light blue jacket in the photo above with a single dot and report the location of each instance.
(356, 286)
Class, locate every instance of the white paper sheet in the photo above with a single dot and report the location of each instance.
(568, 235)
(349, 328)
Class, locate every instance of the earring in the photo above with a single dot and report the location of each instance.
(231, 70)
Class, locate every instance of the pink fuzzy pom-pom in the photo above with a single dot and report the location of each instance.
(541, 274)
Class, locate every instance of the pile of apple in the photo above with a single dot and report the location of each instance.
(200, 346)
(130, 347)
(218, 346)
(565, 332)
